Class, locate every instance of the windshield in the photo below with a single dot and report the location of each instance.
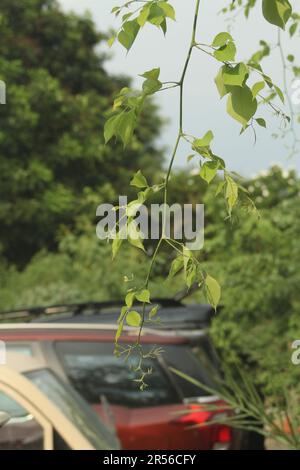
(74, 408)
(94, 370)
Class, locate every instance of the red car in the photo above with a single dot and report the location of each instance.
(161, 417)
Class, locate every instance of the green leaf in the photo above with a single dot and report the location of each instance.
(268, 81)
(143, 16)
(257, 87)
(111, 41)
(157, 15)
(136, 242)
(220, 187)
(129, 299)
(202, 146)
(126, 16)
(153, 312)
(176, 266)
(128, 34)
(226, 53)
(293, 29)
(126, 125)
(209, 170)
(277, 12)
(187, 255)
(139, 180)
(279, 93)
(152, 74)
(205, 141)
(191, 273)
(235, 76)
(231, 193)
(168, 10)
(261, 122)
(119, 332)
(240, 105)
(219, 81)
(143, 296)
(152, 84)
(212, 291)
(133, 318)
(110, 128)
(121, 125)
(123, 312)
(116, 245)
(222, 39)
(163, 26)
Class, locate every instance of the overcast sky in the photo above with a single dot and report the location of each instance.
(203, 108)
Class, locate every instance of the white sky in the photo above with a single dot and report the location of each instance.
(203, 108)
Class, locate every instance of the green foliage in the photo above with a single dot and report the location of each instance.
(213, 291)
(54, 166)
(127, 108)
(54, 172)
(242, 104)
(155, 12)
(256, 262)
(277, 421)
(277, 12)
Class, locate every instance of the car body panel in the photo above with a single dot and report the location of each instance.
(41, 403)
(158, 428)
(150, 427)
(19, 388)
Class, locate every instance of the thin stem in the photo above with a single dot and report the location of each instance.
(192, 44)
(178, 139)
(285, 84)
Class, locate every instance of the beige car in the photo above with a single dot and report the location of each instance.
(40, 412)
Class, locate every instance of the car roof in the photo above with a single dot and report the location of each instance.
(173, 314)
(90, 332)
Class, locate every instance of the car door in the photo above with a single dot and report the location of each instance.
(27, 428)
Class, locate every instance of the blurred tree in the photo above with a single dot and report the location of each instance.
(54, 166)
(257, 262)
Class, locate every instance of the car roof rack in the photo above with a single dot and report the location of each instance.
(73, 309)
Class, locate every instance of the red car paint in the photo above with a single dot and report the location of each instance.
(164, 427)
(160, 428)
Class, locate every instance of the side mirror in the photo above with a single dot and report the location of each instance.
(4, 418)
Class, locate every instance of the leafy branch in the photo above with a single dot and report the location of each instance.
(278, 13)
(242, 105)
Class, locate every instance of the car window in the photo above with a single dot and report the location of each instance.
(22, 431)
(10, 406)
(94, 371)
(193, 362)
(65, 398)
(24, 349)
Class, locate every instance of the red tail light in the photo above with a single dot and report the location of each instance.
(196, 416)
(223, 434)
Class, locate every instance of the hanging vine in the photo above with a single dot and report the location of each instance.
(243, 103)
